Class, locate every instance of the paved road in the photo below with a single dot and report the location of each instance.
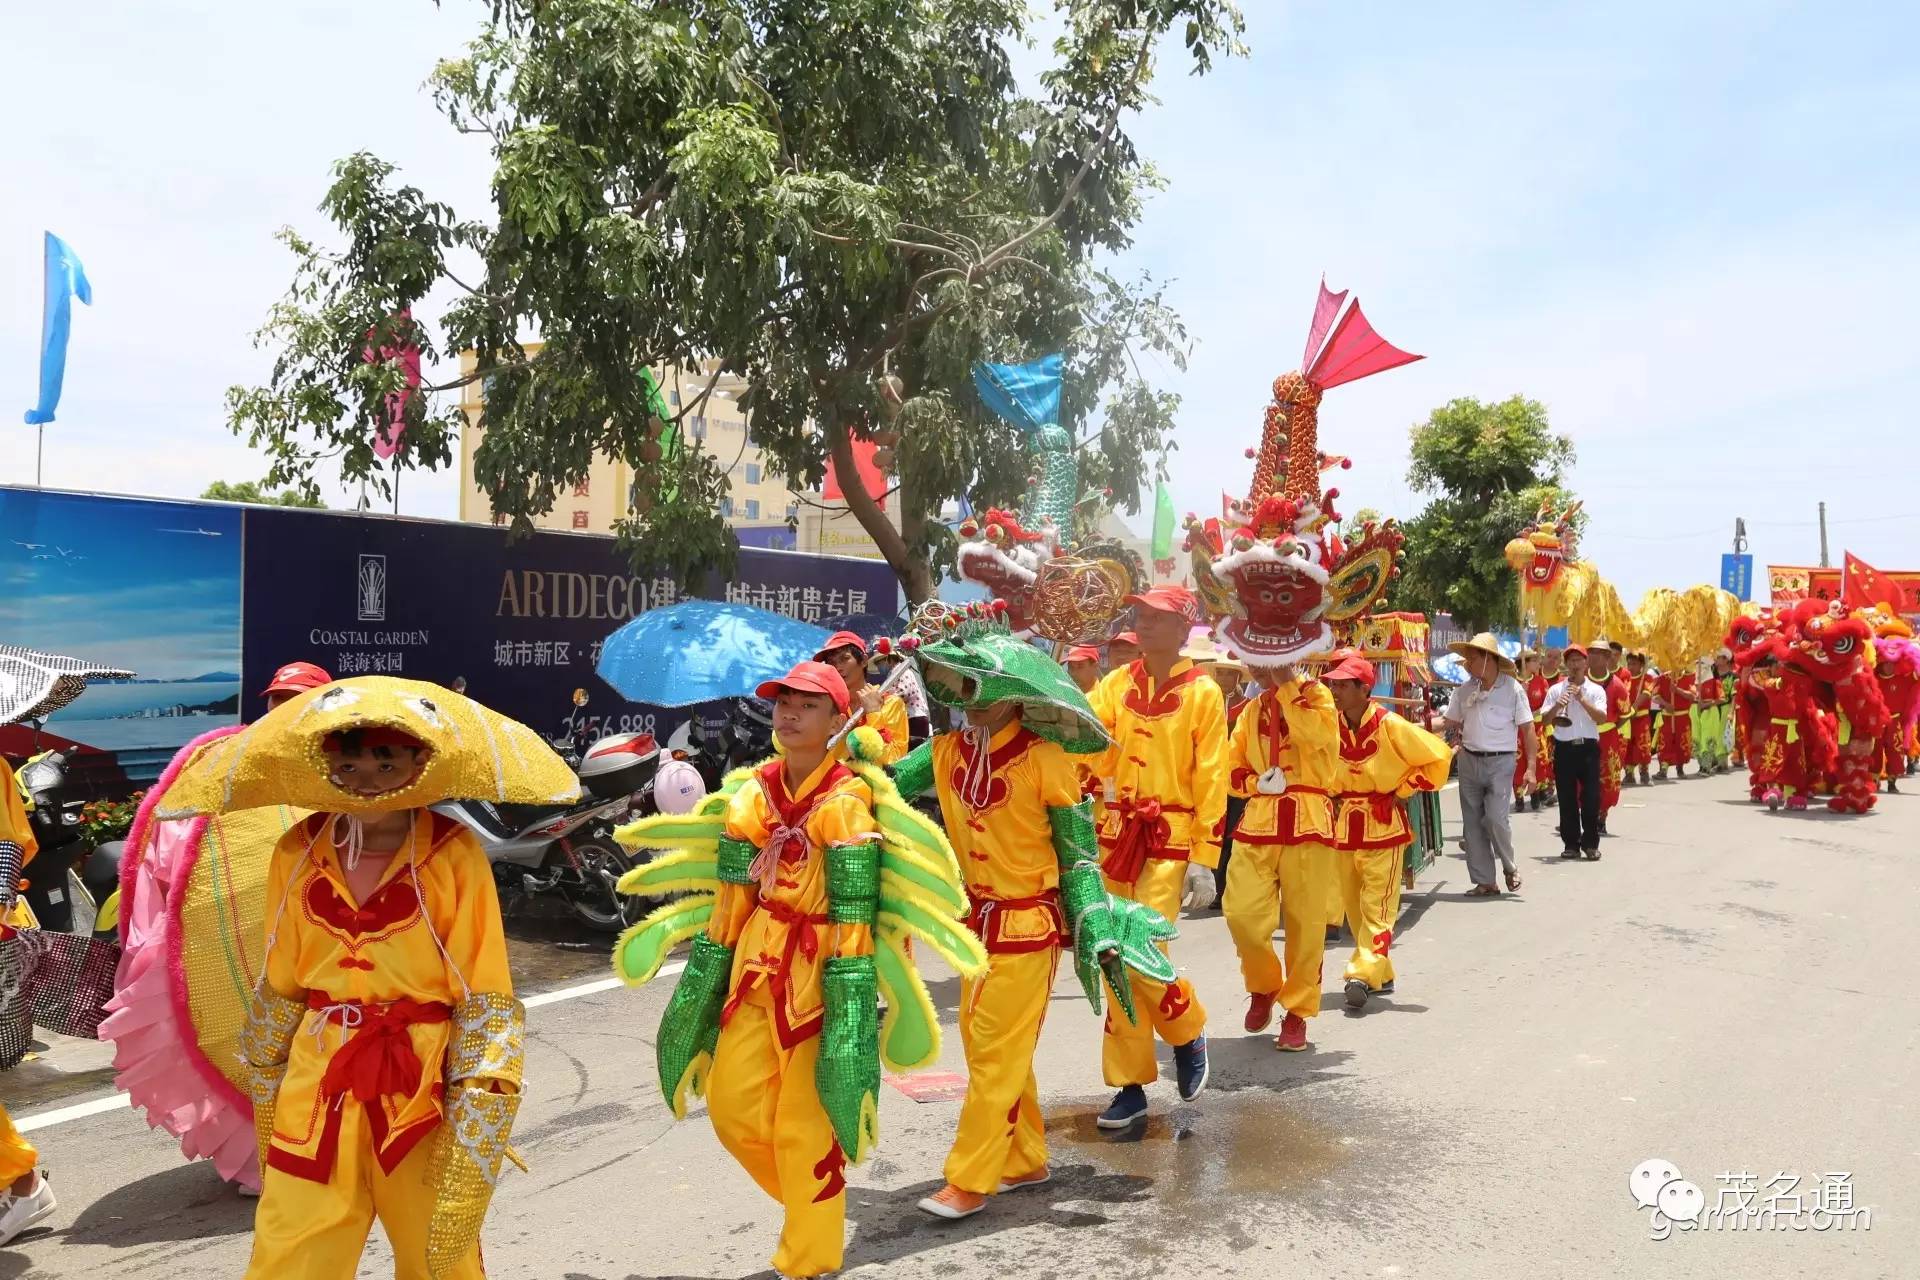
(1725, 990)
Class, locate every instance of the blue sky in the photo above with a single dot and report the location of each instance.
(1687, 228)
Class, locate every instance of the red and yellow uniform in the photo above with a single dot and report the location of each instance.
(17, 1155)
(1536, 688)
(365, 1079)
(1637, 722)
(996, 816)
(1163, 793)
(1676, 727)
(1612, 748)
(761, 1095)
(1284, 862)
(1374, 767)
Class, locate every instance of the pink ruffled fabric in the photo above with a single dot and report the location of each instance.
(156, 1060)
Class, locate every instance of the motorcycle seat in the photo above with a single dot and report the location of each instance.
(503, 822)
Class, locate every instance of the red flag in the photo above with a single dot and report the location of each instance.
(386, 441)
(1862, 587)
(871, 477)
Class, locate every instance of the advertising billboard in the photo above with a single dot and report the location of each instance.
(205, 601)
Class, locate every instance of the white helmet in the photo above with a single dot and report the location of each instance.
(678, 787)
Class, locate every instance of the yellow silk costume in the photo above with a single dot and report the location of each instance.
(1162, 802)
(1374, 767)
(1284, 863)
(890, 721)
(761, 1095)
(364, 1082)
(17, 1155)
(1003, 836)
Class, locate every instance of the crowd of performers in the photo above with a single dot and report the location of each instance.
(1813, 701)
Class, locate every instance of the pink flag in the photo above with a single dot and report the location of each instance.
(871, 478)
(386, 442)
(1323, 313)
(1355, 351)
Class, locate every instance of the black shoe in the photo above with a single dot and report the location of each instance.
(1569, 852)
(1357, 993)
(1385, 988)
(1593, 854)
(1604, 833)
(1536, 802)
(1519, 806)
(1129, 1105)
(1190, 1068)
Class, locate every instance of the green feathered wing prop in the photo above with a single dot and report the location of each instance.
(921, 894)
(690, 1028)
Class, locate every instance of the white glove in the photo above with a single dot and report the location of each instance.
(1272, 783)
(1198, 892)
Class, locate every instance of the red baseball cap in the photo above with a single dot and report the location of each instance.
(841, 640)
(1351, 667)
(1125, 637)
(297, 677)
(1083, 653)
(1169, 599)
(809, 677)
(1572, 649)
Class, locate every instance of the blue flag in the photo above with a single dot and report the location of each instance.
(66, 280)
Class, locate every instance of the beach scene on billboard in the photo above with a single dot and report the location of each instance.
(149, 587)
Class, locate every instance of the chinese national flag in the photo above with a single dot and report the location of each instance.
(1862, 587)
(871, 478)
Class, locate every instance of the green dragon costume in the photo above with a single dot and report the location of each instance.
(980, 663)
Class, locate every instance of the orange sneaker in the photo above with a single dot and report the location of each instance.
(1259, 1013)
(1293, 1034)
(953, 1204)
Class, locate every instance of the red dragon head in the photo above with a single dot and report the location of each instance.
(1000, 555)
(1544, 546)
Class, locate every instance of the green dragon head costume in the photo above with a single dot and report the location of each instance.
(975, 661)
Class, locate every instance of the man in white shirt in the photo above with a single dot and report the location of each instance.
(1575, 708)
(1485, 719)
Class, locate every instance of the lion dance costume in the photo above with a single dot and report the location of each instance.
(383, 1044)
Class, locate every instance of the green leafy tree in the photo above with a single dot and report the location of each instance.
(844, 203)
(255, 492)
(1489, 466)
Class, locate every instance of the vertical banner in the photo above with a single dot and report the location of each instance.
(65, 280)
(1736, 575)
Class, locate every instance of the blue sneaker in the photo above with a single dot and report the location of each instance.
(1129, 1105)
(1190, 1068)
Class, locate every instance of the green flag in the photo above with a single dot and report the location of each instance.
(1162, 522)
(669, 433)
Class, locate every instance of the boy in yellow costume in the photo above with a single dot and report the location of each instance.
(1011, 797)
(1284, 863)
(384, 1040)
(885, 713)
(1163, 799)
(1380, 760)
(795, 932)
(25, 1195)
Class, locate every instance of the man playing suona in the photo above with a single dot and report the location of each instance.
(885, 713)
(1163, 792)
(1023, 831)
(1380, 760)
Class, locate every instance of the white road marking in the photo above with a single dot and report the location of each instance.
(117, 1101)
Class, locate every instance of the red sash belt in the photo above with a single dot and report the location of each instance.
(803, 936)
(987, 914)
(377, 1057)
(1144, 832)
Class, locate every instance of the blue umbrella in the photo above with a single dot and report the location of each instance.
(702, 651)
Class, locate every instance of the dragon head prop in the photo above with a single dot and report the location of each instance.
(1272, 571)
(1006, 558)
(1544, 547)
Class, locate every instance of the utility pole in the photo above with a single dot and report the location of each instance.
(1824, 562)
